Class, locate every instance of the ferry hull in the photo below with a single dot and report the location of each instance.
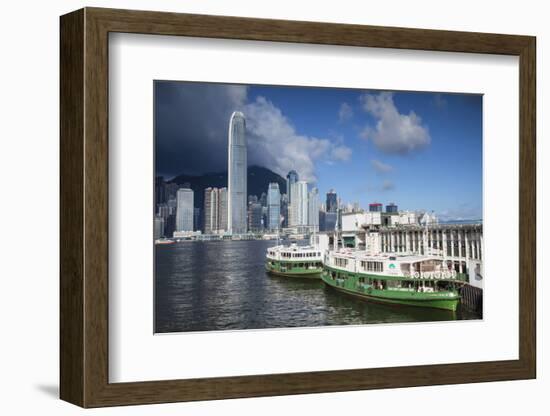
(296, 273)
(404, 298)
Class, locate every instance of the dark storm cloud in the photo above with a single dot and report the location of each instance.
(191, 126)
(191, 121)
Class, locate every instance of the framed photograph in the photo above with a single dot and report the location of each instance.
(257, 207)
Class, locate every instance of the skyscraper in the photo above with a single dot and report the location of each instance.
(331, 220)
(273, 206)
(171, 189)
(185, 211)
(332, 201)
(160, 190)
(298, 206)
(236, 174)
(222, 209)
(284, 209)
(313, 209)
(291, 178)
(255, 217)
(215, 210)
(211, 213)
(159, 227)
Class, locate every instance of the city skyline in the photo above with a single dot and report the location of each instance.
(421, 150)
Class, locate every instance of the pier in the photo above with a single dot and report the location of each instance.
(457, 243)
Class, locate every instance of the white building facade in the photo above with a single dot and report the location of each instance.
(299, 204)
(313, 209)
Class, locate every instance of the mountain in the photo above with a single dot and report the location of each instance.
(258, 182)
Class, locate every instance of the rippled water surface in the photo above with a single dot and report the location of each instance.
(222, 285)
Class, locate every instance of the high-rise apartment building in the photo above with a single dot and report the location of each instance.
(215, 210)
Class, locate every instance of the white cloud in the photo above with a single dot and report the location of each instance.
(345, 113)
(274, 143)
(394, 132)
(341, 153)
(381, 167)
(388, 185)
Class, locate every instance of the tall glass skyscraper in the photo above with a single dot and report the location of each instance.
(313, 209)
(291, 178)
(273, 206)
(332, 201)
(236, 174)
(299, 204)
(255, 214)
(185, 210)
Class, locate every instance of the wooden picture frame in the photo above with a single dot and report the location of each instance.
(84, 207)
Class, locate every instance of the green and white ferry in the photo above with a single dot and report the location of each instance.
(295, 261)
(414, 280)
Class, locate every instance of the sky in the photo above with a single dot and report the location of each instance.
(420, 150)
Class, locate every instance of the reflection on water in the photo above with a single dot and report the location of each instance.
(204, 286)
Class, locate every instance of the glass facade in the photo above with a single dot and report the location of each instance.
(273, 206)
(255, 217)
(313, 209)
(185, 211)
(291, 179)
(332, 201)
(298, 205)
(237, 174)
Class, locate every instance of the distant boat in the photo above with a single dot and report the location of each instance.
(294, 261)
(164, 241)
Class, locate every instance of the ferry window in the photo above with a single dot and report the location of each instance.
(341, 262)
(373, 266)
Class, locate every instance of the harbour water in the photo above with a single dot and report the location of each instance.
(222, 285)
